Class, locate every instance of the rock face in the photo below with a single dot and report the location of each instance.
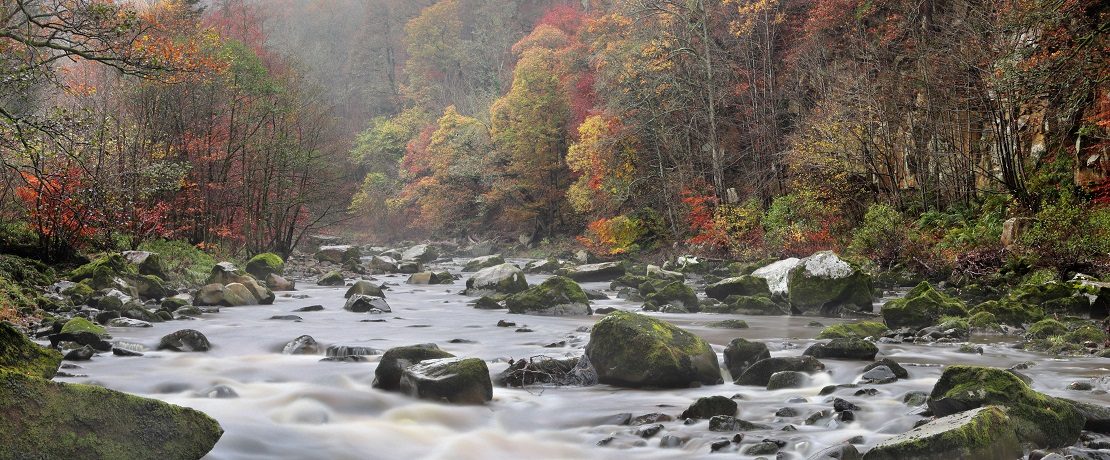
(185, 340)
(982, 433)
(265, 264)
(453, 380)
(740, 354)
(557, 296)
(501, 279)
(364, 287)
(824, 284)
(1039, 419)
(850, 348)
(760, 373)
(395, 360)
(57, 420)
(741, 285)
(20, 354)
(922, 307)
(633, 350)
(479, 263)
(359, 303)
(607, 271)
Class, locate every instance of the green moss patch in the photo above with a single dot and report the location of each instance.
(20, 354)
(922, 307)
(264, 264)
(862, 329)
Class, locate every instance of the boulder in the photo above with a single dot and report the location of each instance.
(850, 348)
(741, 285)
(332, 278)
(430, 278)
(741, 353)
(897, 369)
(395, 360)
(79, 325)
(383, 264)
(185, 340)
(338, 254)
(409, 267)
(500, 279)
(479, 263)
(223, 273)
(421, 252)
(556, 296)
(606, 271)
(359, 303)
(261, 294)
(981, 433)
(232, 295)
(146, 263)
(777, 274)
(786, 380)
(760, 372)
(1096, 418)
(1042, 420)
(453, 380)
(147, 286)
(265, 264)
(20, 354)
(709, 407)
(862, 329)
(633, 350)
(824, 284)
(364, 287)
(44, 419)
(303, 345)
(542, 266)
(279, 283)
(674, 293)
(922, 307)
(657, 273)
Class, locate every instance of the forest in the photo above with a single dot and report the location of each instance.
(948, 160)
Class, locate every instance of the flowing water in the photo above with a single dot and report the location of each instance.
(297, 407)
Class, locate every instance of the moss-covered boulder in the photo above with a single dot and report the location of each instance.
(982, 433)
(452, 380)
(674, 293)
(983, 320)
(548, 265)
(824, 284)
(1039, 419)
(395, 360)
(760, 372)
(498, 279)
(1045, 328)
(231, 295)
(862, 329)
(265, 264)
(332, 278)
(709, 407)
(364, 287)
(557, 296)
(44, 419)
(479, 263)
(78, 325)
(747, 305)
(633, 350)
(922, 307)
(20, 354)
(658, 273)
(606, 271)
(845, 348)
(1010, 311)
(742, 353)
(107, 265)
(147, 263)
(740, 285)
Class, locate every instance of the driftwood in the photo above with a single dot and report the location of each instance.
(543, 371)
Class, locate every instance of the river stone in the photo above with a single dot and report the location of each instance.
(185, 340)
(147, 263)
(632, 350)
(364, 287)
(479, 263)
(453, 380)
(730, 423)
(409, 267)
(502, 279)
(382, 264)
(879, 375)
(430, 278)
(44, 419)
(332, 278)
(222, 273)
(760, 372)
(556, 296)
(231, 295)
(279, 283)
(1096, 418)
(787, 379)
(421, 252)
(265, 264)
(606, 271)
(852, 348)
(922, 307)
(899, 371)
(303, 345)
(542, 266)
(776, 274)
(741, 353)
(20, 354)
(388, 374)
(343, 351)
(80, 324)
(674, 293)
(359, 303)
(825, 284)
(983, 433)
(710, 406)
(128, 322)
(338, 254)
(838, 452)
(1042, 420)
(751, 286)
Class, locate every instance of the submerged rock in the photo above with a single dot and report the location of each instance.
(760, 372)
(303, 345)
(500, 279)
(852, 348)
(85, 421)
(388, 374)
(453, 380)
(557, 296)
(982, 433)
(633, 350)
(542, 370)
(20, 354)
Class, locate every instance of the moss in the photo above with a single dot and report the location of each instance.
(56, 420)
(630, 349)
(827, 296)
(20, 354)
(742, 285)
(557, 291)
(332, 278)
(986, 433)
(79, 324)
(923, 306)
(843, 348)
(1011, 312)
(264, 264)
(80, 293)
(674, 292)
(861, 329)
(1045, 328)
(1085, 332)
(1043, 420)
(747, 305)
(107, 265)
(479, 263)
(182, 261)
(729, 324)
(983, 320)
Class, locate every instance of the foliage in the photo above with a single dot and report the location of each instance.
(882, 236)
(183, 262)
(1065, 234)
(614, 236)
(801, 224)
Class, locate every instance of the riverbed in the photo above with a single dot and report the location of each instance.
(297, 407)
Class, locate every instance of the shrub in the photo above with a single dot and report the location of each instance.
(882, 236)
(617, 235)
(1067, 234)
(799, 224)
(183, 262)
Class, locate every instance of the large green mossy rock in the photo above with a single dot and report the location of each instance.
(78, 325)
(147, 263)
(110, 265)
(395, 360)
(824, 284)
(862, 329)
(265, 264)
(633, 350)
(983, 433)
(557, 296)
(20, 354)
(1042, 420)
(452, 380)
(740, 285)
(1010, 311)
(673, 293)
(922, 307)
(46, 420)
(499, 279)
